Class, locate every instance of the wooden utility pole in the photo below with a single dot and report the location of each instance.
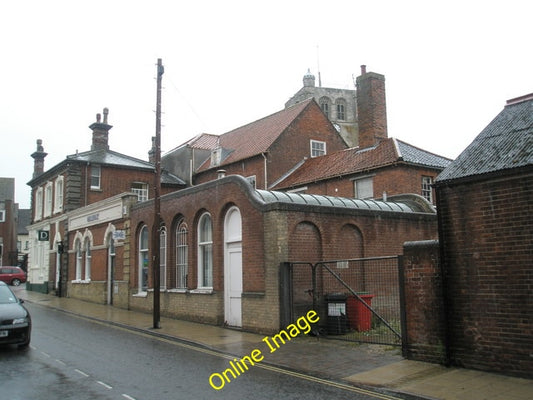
(156, 267)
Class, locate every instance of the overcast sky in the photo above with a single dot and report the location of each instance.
(449, 68)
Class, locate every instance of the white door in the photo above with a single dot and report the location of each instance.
(234, 289)
(233, 268)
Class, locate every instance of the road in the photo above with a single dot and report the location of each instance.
(75, 358)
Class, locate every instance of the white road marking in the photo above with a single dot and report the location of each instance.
(45, 354)
(81, 372)
(60, 362)
(128, 397)
(104, 385)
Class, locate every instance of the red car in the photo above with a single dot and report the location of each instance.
(12, 275)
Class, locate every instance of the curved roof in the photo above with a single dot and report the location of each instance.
(267, 196)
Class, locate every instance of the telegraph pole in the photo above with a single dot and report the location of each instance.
(156, 267)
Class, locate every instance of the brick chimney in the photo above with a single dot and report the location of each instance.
(100, 132)
(38, 159)
(371, 108)
(151, 152)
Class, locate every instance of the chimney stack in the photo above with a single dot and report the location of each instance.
(38, 157)
(100, 132)
(371, 108)
(151, 152)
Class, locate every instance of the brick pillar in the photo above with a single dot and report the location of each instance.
(423, 302)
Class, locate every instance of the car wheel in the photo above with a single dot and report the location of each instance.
(15, 282)
(24, 345)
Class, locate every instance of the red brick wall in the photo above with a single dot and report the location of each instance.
(425, 332)
(290, 148)
(269, 236)
(396, 179)
(8, 231)
(486, 232)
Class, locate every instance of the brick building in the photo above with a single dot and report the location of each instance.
(475, 309)
(222, 243)
(58, 253)
(264, 150)
(388, 168)
(8, 222)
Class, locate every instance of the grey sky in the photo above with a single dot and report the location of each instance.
(449, 67)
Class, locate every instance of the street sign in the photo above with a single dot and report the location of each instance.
(119, 235)
(43, 236)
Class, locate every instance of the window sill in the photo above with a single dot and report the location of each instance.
(202, 291)
(178, 290)
(140, 294)
(81, 281)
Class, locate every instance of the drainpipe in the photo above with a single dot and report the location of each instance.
(265, 169)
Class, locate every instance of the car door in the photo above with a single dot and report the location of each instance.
(4, 274)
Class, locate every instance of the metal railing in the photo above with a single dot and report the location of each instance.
(357, 299)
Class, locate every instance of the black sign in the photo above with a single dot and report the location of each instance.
(43, 236)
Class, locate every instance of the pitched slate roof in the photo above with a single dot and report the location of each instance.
(256, 137)
(355, 160)
(506, 143)
(109, 157)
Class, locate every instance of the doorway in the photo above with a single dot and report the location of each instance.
(233, 268)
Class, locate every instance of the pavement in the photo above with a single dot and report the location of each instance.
(376, 367)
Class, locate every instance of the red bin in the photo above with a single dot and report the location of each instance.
(359, 316)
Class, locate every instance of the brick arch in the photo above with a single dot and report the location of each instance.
(349, 243)
(305, 243)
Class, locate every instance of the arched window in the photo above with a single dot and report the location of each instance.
(341, 109)
(79, 260)
(87, 249)
(205, 252)
(163, 257)
(143, 259)
(182, 251)
(111, 253)
(324, 103)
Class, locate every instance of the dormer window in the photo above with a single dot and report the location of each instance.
(216, 156)
(318, 148)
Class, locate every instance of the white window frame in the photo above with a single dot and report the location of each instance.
(38, 204)
(142, 252)
(58, 194)
(48, 199)
(317, 148)
(2, 215)
(362, 192)
(205, 252)
(142, 191)
(88, 257)
(79, 259)
(163, 258)
(94, 176)
(427, 191)
(182, 253)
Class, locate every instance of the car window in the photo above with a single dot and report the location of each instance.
(7, 296)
